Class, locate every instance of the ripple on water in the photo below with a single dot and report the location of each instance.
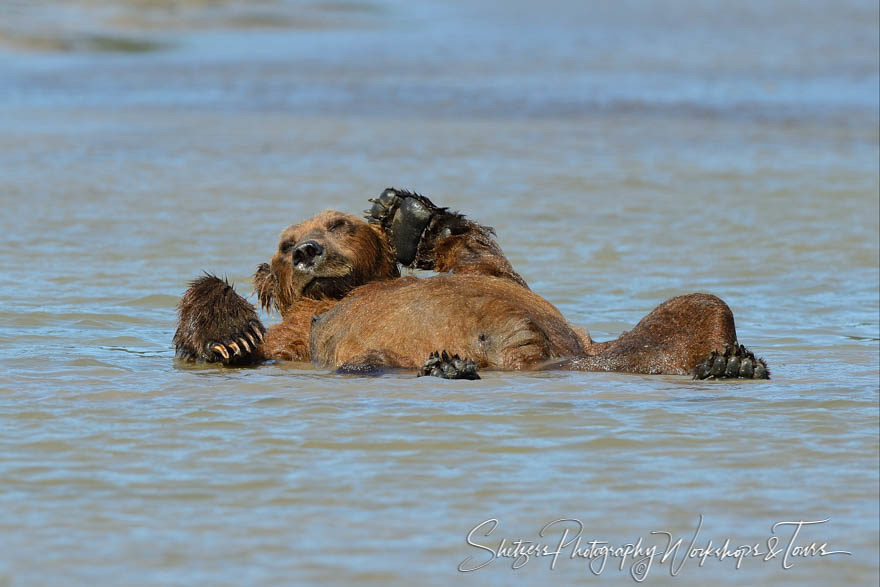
(152, 301)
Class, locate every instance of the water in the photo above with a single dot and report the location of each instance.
(625, 153)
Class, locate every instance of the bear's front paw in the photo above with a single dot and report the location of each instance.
(216, 325)
(454, 367)
(404, 216)
(240, 348)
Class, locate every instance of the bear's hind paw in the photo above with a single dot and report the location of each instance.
(449, 367)
(736, 362)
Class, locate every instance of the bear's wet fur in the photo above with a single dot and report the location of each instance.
(217, 324)
(335, 281)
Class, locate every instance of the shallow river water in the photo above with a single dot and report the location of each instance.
(625, 152)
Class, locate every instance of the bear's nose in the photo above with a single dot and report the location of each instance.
(305, 254)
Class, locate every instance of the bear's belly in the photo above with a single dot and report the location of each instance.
(494, 322)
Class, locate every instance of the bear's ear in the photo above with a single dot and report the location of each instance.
(387, 257)
(381, 236)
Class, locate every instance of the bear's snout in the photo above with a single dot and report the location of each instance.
(307, 254)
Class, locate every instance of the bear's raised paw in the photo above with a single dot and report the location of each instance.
(404, 216)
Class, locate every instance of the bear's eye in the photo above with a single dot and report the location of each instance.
(336, 224)
(285, 247)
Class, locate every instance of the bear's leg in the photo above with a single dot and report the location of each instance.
(439, 364)
(215, 324)
(370, 364)
(691, 334)
(429, 237)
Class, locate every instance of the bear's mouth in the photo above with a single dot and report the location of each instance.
(327, 287)
(328, 276)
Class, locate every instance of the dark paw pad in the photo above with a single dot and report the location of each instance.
(736, 362)
(404, 216)
(454, 367)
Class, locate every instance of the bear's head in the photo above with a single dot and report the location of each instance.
(324, 257)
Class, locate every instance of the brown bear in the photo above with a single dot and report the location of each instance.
(335, 280)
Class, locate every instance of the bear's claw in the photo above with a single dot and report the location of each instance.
(219, 348)
(449, 367)
(240, 348)
(734, 362)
